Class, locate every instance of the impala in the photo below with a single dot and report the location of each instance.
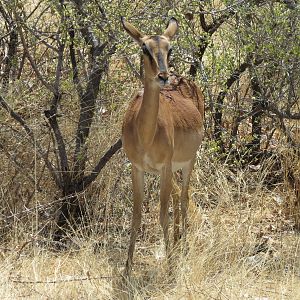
(162, 130)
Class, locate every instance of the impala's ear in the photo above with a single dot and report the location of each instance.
(171, 29)
(132, 31)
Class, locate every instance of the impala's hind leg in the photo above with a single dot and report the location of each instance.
(186, 175)
(176, 212)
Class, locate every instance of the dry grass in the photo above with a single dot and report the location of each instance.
(241, 244)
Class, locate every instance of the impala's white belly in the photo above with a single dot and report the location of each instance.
(150, 166)
(179, 165)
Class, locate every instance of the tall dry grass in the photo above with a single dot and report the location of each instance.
(241, 243)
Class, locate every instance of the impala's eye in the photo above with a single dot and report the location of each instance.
(145, 49)
(147, 52)
(169, 52)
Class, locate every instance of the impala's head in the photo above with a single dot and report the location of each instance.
(156, 50)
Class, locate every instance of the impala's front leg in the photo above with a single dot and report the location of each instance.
(165, 191)
(138, 195)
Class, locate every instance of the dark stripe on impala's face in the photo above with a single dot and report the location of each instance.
(161, 63)
(160, 57)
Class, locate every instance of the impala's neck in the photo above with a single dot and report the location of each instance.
(147, 116)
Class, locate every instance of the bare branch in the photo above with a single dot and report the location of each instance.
(220, 99)
(52, 118)
(202, 19)
(227, 12)
(30, 133)
(209, 31)
(87, 180)
(8, 60)
(4, 14)
(88, 98)
(17, 117)
(30, 58)
(17, 164)
(42, 39)
(64, 166)
(212, 28)
(282, 114)
(34, 9)
(21, 66)
(59, 67)
(87, 109)
(291, 4)
(76, 80)
(133, 69)
(87, 32)
(226, 8)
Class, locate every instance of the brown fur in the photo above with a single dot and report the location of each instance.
(162, 130)
(179, 99)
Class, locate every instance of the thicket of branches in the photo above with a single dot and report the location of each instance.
(67, 69)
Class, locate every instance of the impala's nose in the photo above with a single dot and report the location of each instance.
(163, 77)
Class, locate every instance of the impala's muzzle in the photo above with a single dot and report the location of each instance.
(163, 78)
